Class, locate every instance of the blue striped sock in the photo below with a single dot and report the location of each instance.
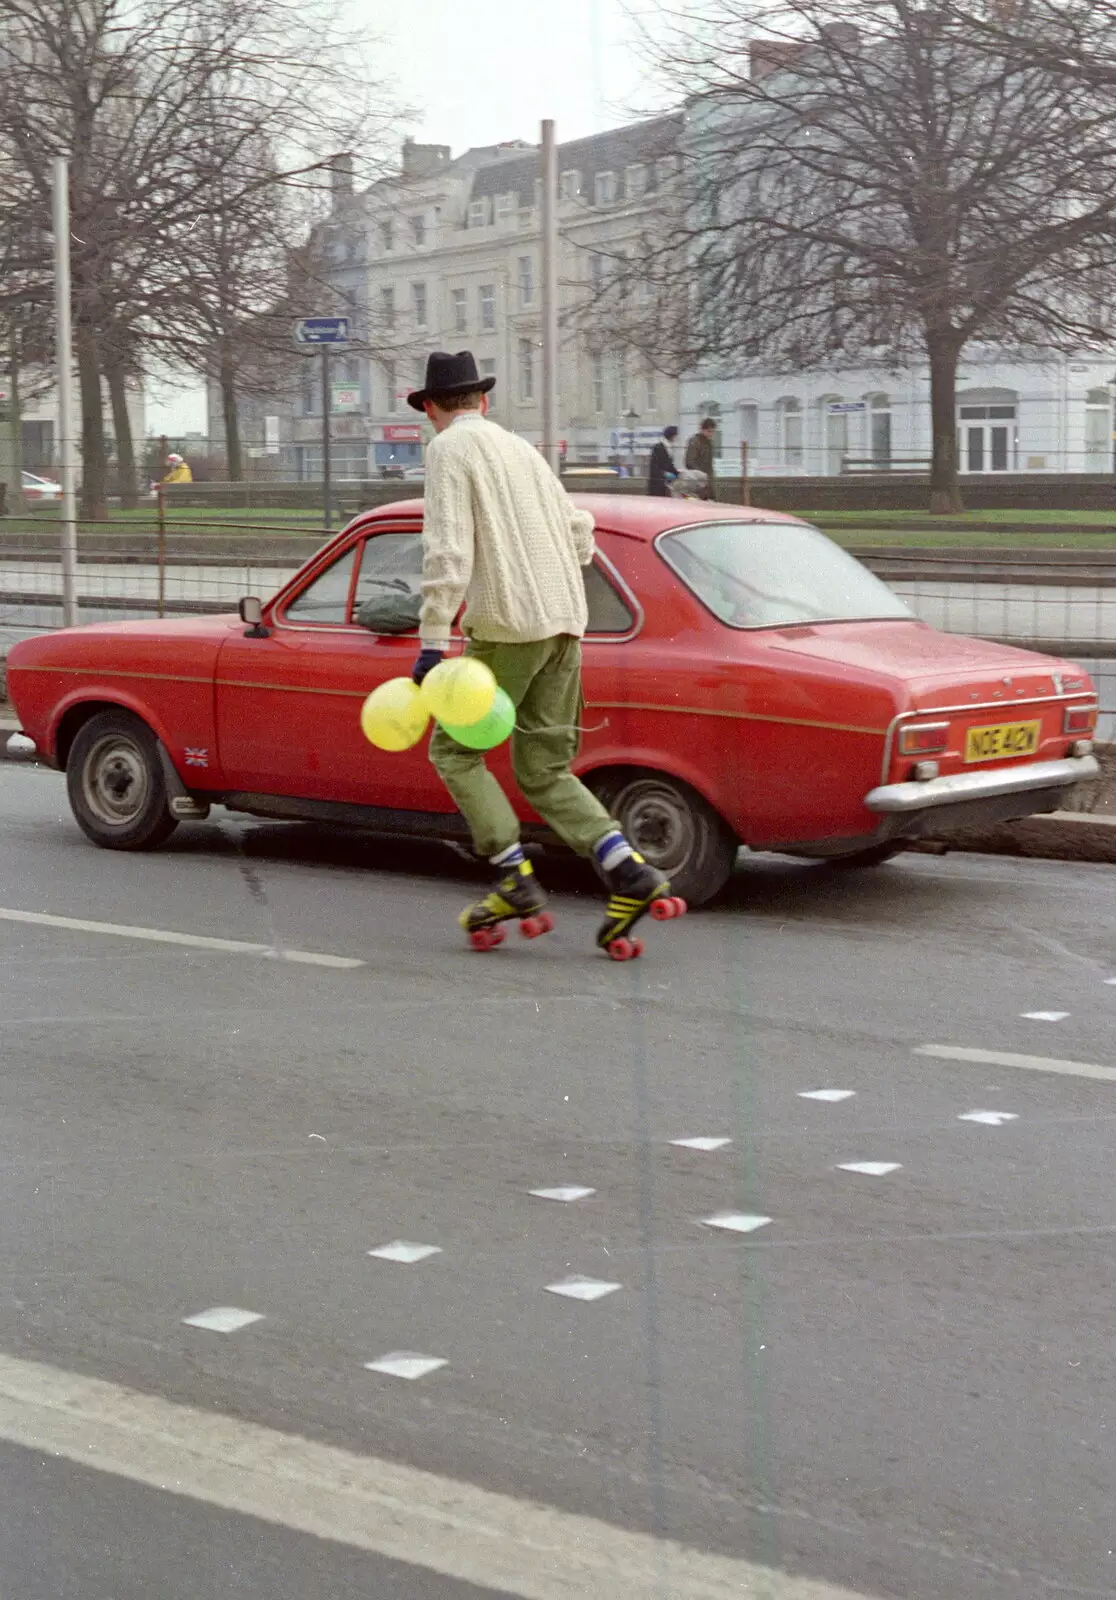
(611, 850)
(511, 857)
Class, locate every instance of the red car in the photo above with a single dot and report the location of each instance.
(746, 682)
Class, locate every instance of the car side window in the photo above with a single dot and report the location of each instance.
(326, 597)
(608, 611)
(389, 559)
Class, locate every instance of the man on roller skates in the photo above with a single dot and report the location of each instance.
(501, 533)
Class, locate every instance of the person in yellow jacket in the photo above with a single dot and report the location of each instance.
(179, 471)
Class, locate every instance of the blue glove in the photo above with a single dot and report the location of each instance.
(427, 661)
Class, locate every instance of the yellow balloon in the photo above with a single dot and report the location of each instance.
(394, 716)
(459, 691)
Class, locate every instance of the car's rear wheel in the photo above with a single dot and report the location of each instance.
(116, 786)
(673, 828)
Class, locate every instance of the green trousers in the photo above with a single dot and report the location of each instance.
(543, 681)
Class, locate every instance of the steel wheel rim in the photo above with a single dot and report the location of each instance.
(658, 823)
(115, 781)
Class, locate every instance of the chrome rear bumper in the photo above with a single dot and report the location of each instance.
(961, 786)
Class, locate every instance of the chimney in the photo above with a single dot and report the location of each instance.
(340, 176)
(424, 160)
(771, 55)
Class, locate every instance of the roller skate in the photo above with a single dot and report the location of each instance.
(635, 889)
(517, 894)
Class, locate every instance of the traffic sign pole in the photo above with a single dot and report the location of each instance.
(326, 486)
(64, 361)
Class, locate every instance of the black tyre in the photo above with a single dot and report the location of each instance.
(115, 782)
(874, 856)
(673, 828)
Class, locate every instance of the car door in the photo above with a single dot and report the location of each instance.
(288, 706)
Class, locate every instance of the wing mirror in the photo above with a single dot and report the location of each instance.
(251, 612)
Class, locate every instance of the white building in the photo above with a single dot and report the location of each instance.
(447, 256)
(1049, 414)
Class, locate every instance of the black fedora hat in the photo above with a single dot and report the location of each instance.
(446, 374)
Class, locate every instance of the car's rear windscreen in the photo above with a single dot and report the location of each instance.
(775, 574)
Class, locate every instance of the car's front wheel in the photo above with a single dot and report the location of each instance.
(116, 786)
(673, 828)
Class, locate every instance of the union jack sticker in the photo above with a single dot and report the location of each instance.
(196, 757)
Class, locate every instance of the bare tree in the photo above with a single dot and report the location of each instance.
(163, 107)
(886, 181)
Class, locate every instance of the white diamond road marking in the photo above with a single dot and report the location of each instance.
(994, 1119)
(830, 1095)
(735, 1221)
(564, 1191)
(405, 1364)
(406, 1252)
(870, 1169)
(223, 1319)
(576, 1288)
(701, 1143)
(1044, 1016)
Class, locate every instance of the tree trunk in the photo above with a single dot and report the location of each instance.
(232, 421)
(944, 350)
(93, 501)
(122, 428)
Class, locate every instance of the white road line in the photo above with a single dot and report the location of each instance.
(453, 1528)
(195, 941)
(1004, 1058)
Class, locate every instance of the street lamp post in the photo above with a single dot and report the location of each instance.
(631, 418)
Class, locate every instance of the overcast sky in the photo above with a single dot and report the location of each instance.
(478, 72)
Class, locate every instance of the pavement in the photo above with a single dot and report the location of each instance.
(236, 1066)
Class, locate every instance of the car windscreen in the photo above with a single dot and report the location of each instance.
(775, 574)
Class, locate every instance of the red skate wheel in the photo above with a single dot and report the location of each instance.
(532, 927)
(621, 950)
(637, 948)
(486, 938)
(681, 907)
(546, 922)
(662, 910)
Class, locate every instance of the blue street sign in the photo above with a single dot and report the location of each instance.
(322, 330)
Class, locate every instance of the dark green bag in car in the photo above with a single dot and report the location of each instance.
(393, 607)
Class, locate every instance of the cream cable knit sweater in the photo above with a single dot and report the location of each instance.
(500, 532)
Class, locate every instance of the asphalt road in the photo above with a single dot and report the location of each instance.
(902, 1385)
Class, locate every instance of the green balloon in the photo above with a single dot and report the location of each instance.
(491, 730)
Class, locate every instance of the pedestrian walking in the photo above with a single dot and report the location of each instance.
(661, 470)
(501, 534)
(699, 454)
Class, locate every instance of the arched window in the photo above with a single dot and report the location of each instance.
(986, 425)
(788, 414)
(834, 432)
(1098, 431)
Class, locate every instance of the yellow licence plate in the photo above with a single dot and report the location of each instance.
(1002, 740)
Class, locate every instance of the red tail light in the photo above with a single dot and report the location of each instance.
(1079, 720)
(923, 738)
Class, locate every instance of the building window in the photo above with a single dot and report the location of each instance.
(604, 188)
(526, 370)
(526, 281)
(418, 299)
(598, 385)
(569, 185)
(488, 307)
(418, 231)
(460, 315)
(664, 170)
(1098, 431)
(635, 181)
(987, 426)
(879, 429)
(478, 213)
(597, 272)
(387, 306)
(650, 392)
(506, 207)
(487, 369)
(623, 387)
(788, 414)
(387, 236)
(389, 382)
